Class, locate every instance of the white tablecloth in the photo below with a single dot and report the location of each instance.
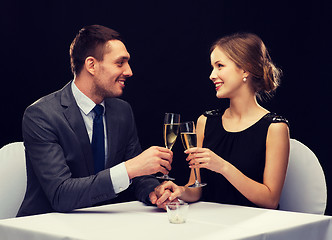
(133, 220)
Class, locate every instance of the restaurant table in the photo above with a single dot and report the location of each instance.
(134, 220)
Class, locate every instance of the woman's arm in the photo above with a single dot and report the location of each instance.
(194, 194)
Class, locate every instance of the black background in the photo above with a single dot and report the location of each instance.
(169, 45)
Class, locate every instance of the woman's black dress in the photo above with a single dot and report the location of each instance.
(245, 150)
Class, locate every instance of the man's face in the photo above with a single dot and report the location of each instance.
(112, 71)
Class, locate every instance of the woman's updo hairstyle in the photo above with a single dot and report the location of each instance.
(249, 53)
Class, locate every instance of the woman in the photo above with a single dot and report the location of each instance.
(242, 151)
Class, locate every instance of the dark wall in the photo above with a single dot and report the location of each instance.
(169, 44)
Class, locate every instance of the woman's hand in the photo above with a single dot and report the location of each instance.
(205, 158)
(164, 193)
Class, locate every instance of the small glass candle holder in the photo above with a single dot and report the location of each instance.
(177, 211)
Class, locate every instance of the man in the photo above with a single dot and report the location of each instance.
(60, 137)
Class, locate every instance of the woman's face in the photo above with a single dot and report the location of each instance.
(226, 76)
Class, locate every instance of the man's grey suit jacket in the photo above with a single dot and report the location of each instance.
(59, 158)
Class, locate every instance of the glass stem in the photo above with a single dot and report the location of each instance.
(196, 181)
(195, 174)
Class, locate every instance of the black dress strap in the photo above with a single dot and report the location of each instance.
(275, 118)
(213, 113)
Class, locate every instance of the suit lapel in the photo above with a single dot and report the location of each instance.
(112, 125)
(74, 117)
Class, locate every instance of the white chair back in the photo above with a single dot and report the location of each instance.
(305, 186)
(13, 179)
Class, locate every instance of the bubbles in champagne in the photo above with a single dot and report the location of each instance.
(170, 134)
(189, 140)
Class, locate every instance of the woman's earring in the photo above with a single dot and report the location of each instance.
(244, 79)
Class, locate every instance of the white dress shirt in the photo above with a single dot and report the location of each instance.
(118, 173)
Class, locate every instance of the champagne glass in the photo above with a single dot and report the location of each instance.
(171, 131)
(189, 140)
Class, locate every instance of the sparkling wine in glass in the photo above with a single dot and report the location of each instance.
(189, 140)
(171, 131)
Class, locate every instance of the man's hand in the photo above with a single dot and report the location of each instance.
(164, 193)
(151, 161)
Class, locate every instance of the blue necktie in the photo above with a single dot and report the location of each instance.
(98, 140)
